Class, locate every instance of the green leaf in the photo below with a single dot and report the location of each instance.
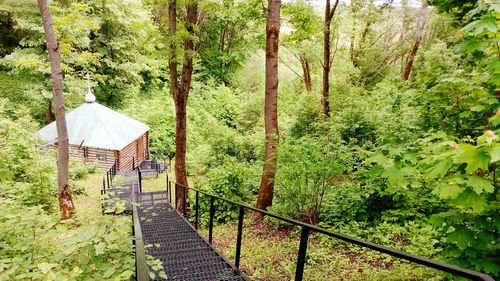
(448, 190)
(461, 236)
(395, 176)
(475, 159)
(472, 44)
(495, 154)
(436, 220)
(478, 108)
(99, 248)
(378, 158)
(109, 272)
(46, 267)
(439, 170)
(470, 199)
(480, 184)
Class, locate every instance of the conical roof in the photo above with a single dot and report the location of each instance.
(94, 125)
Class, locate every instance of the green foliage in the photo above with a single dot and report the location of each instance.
(237, 181)
(377, 169)
(26, 175)
(464, 178)
(157, 110)
(113, 41)
(308, 170)
(309, 119)
(230, 31)
(38, 246)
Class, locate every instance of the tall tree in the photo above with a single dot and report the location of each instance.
(301, 41)
(66, 205)
(266, 190)
(329, 12)
(418, 39)
(180, 89)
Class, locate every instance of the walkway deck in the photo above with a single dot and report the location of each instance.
(184, 253)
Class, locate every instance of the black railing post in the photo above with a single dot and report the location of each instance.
(133, 163)
(103, 184)
(107, 178)
(140, 179)
(211, 222)
(184, 191)
(196, 211)
(175, 194)
(169, 184)
(240, 235)
(301, 257)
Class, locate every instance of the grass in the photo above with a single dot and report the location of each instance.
(270, 253)
(90, 200)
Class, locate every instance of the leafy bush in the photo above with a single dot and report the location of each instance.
(465, 180)
(234, 180)
(26, 175)
(309, 168)
(38, 246)
(357, 129)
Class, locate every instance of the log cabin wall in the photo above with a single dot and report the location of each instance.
(102, 158)
(128, 157)
(143, 147)
(133, 154)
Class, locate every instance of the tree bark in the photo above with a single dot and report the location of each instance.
(306, 70)
(266, 190)
(418, 39)
(180, 93)
(329, 12)
(353, 31)
(66, 205)
(49, 114)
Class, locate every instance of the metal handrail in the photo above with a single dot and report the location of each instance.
(141, 266)
(306, 229)
(108, 177)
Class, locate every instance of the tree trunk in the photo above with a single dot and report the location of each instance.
(180, 151)
(306, 70)
(180, 93)
(66, 205)
(266, 190)
(418, 39)
(49, 114)
(326, 57)
(353, 31)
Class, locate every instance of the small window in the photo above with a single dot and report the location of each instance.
(85, 152)
(101, 157)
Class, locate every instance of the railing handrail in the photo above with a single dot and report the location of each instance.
(305, 232)
(141, 266)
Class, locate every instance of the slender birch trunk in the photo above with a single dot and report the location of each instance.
(66, 205)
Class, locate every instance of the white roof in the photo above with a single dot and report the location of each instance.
(96, 126)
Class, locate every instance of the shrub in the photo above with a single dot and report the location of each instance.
(308, 169)
(234, 180)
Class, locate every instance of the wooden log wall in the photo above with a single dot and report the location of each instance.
(125, 162)
(134, 153)
(105, 160)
